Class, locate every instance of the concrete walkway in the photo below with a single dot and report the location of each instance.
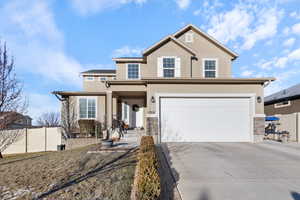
(235, 171)
(130, 140)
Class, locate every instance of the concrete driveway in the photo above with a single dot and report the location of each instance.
(235, 171)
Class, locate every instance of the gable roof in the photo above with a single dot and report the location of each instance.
(165, 40)
(207, 36)
(286, 94)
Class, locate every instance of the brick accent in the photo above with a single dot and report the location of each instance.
(259, 129)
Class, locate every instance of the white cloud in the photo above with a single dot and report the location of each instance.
(296, 28)
(229, 26)
(266, 28)
(36, 42)
(247, 73)
(183, 4)
(266, 65)
(88, 7)
(289, 42)
(295, 15)
(280, 62)
(247, 22)
(127, 51)
(31, 33)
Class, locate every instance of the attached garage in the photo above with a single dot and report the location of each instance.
(206, 118)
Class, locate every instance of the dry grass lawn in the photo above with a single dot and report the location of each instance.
(72, 174)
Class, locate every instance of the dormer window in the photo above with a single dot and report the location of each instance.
(189, 37)
(210, 68)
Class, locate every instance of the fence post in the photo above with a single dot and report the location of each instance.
(45, 138)
(297, 127)
(26, 142)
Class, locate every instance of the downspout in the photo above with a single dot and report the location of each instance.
(192, 58)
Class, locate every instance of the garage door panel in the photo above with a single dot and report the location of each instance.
(205, 119)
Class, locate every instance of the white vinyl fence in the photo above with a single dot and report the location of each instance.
(290, 123)
(35, 140)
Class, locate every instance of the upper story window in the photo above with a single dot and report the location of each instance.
(87, 107)
(210, 68)
(189, 37)
(133, 71)
(169, 67)
(282, 104)
(102, 78)
(89, 78)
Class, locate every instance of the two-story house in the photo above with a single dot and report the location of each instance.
(180, 90)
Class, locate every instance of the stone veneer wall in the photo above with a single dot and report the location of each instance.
(152, 127)
(259, 129)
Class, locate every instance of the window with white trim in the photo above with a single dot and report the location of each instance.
(169, 67)
(189, 37)
(282, 104)
(87, 107)
(133, 71)
(210, 68)
(89, 78)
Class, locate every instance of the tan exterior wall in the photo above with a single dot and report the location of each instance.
(206, 49)
(94, 86)
(201, 46)
(128, 88)
(169, 49)
(152, 89)
(294, 107)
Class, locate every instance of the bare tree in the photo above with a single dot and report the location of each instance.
(49, 119)
(11, 99)
(69, 121)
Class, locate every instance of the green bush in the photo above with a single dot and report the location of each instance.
(148, 183)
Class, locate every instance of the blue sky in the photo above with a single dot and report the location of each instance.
(54, 40)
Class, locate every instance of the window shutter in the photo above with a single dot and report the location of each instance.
(177, 67)
(160, 67)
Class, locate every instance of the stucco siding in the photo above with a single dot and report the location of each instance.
(294, 107)
(152, 89)
(169, 49)
(94, 86)
(206, 49)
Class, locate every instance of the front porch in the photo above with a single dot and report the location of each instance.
(128, 106)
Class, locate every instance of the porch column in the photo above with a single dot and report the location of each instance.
(109, 108)
(115, 107)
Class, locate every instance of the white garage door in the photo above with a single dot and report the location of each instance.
(188, 119)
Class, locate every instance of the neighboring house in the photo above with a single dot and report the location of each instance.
(286, 101)
(13, 120)
(180, 90)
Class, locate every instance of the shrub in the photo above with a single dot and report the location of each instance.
(148, 183)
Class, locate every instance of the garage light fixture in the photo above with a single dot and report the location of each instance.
(152, 99)
(259, 99)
